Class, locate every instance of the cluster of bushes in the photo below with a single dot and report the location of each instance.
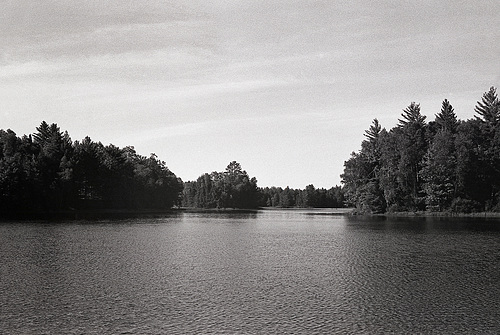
(443, 165)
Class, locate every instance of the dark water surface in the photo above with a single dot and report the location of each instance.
(271, 272)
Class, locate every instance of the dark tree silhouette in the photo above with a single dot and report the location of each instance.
(47, 172)
(445, 165)
(488, 107)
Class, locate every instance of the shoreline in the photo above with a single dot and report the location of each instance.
(98, 214)
(433, 214)
(94, 214)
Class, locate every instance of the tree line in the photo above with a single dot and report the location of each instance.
(306, 198)
(442, 165)
(233, 188)
(47, 172)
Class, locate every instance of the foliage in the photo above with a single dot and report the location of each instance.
(438, 171)
(460, 205)
(310, 197)
(488, 107)
(446, 119)
(47, 172)
(232, 188)
(442, 165)
(362, 173)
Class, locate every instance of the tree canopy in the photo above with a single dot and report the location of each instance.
(48, 172)
(232, 188)
(444, 165)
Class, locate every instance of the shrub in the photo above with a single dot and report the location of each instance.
(460, 205)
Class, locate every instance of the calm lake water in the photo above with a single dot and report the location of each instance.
(270, 272)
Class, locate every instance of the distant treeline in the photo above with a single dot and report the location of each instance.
(233, 188)
(443, 165)
(47, 172)
(308, 197)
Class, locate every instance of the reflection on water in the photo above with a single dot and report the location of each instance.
(251, 273)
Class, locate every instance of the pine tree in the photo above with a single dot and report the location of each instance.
(447, 119)
(439, 172)
(373, 132)
(412, 146)
(412, 115)
(361, 174)
(489, 107)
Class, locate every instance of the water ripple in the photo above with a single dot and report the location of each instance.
(271, 273)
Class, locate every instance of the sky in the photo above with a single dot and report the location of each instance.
(284, 87)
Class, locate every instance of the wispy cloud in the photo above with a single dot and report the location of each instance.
(225, 126)
(172, 62)
(180, 70)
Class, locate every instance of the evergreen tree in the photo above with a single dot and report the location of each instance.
(471, 170)
(412, 146)
(361, 175)
(439, 172)
(487, 146)
(447, 119)
(412, 116)
(47, 172)
(390, 177)
(373, 133)
(488, 107)
(53, 150)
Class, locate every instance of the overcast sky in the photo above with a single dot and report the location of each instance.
(284, 87)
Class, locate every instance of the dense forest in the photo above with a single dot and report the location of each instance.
(48, 172)
(442, 165)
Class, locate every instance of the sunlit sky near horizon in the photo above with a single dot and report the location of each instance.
(286, 88)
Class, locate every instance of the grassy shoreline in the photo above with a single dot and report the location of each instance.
(434, 214)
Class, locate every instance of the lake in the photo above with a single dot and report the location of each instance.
(269, 272)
